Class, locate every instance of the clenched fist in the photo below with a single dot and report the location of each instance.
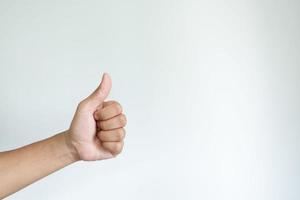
(97, 129)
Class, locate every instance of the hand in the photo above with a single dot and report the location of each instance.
(96, 131)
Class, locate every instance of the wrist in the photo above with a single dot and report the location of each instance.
(69, 147)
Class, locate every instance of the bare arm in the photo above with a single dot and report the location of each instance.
(23, 166)
(96, 133)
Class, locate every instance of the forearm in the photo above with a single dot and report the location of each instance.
(23, 166)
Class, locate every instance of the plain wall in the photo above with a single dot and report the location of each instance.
(211, 90)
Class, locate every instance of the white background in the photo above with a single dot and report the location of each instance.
(211, 90)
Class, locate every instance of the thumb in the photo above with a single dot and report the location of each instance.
(102, 91)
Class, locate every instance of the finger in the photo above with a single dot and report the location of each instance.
(113, 123)
(115, 135)
(113, 147)
(107, 103)
(102, 91)
(104, 104)
(109, 111)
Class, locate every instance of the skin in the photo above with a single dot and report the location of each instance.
(96, 133)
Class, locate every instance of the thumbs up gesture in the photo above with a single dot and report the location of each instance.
(97, 129)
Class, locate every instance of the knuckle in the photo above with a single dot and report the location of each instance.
(123, 120)
(120, 134)
(117, 147)
(118, 108)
